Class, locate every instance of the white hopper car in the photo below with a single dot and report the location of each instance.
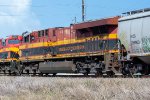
(134, 34)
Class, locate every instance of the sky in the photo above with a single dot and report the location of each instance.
(18, 16)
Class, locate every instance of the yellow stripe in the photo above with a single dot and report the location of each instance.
(8, 60)
(34, 45)
(13, 49)
(32, 57)
(70, 41)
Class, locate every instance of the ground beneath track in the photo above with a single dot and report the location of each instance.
(57, 88)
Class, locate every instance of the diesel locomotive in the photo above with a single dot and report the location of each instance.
(9, 54)
(81, 48)
(109, 46)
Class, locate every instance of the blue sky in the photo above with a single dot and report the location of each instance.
(62, 12)
(29, 15)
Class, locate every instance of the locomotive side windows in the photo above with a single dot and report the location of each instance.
(26, 39)
(4, 55)
(42, 33)
(3, 42)
(113, 44)
(14, 55)
(39, 34)
(46, 32)
(54, 33)
(13, 41)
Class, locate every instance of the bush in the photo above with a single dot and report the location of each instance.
(48, 88)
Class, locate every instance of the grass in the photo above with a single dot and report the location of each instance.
(33, 88)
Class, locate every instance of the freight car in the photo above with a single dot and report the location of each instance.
(81, 48)
(134, 34)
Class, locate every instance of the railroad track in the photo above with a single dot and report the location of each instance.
(75, 76)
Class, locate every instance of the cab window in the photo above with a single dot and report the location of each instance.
(13, 41)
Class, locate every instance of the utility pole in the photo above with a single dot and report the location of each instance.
(83, 10)
(75, 19)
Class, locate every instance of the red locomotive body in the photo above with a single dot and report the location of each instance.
(50, 35)
(13, 41)
(75, 44)
(9, 54)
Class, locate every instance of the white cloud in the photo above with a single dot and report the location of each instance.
(25, 19)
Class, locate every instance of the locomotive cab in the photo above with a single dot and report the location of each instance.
(9, 54)
(9, 48)
(13, 41)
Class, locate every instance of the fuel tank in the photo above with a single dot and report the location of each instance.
(57, 67)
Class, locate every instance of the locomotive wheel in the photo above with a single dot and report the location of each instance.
(79, 67)
(54, 74)
(46, 74)
(87, 72)
(4, 72)
(41, 74)
(126, 70)
(136, 71)
(110, 73)
(34, 72)
(98, 72)
(10, 72)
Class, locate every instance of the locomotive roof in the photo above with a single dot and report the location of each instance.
(100, 22)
